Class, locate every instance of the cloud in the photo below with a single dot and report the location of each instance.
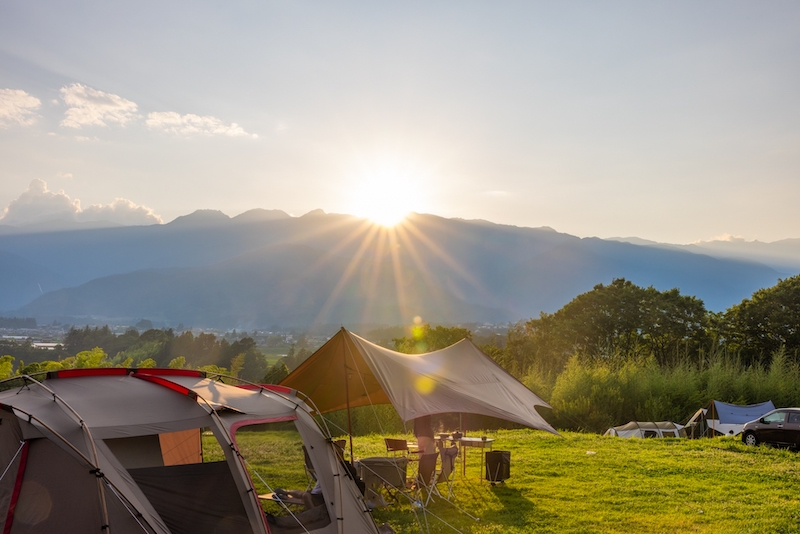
(90, 107)
(175, 123)
(121, 211)
(40, 206)
(730, 238)
(17, 107)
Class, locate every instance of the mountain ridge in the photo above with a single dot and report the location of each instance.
(268, 268)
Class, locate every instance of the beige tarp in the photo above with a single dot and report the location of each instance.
(459, 378)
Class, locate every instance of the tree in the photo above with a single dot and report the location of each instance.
(426, 339)
(91, 358)
(6, 366)
(620, 320)
(276, 373)
(254, 366)
(177, 363)
(761, 325)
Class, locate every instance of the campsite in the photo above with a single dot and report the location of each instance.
(632, 486)
(179, 450)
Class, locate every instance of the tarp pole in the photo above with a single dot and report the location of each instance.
(349, 421)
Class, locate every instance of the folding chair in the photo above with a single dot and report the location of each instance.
(447, 473)
(401, 446)
(311, 474)
(426, 478)
(386, 473)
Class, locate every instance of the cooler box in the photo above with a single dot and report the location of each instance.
(498, 466)
(380, 471)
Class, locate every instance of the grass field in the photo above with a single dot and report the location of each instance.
(585, 483)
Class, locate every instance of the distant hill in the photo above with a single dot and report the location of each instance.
(22, 280)
(266, 268)
(783, 255)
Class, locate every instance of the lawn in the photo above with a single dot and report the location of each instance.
(586, 483)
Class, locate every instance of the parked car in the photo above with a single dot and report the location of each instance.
(778, 427)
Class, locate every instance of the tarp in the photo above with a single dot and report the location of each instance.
(647, 429)
(349, 371)
(721, 418)
(738, 415)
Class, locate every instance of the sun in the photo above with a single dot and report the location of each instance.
(385, 197)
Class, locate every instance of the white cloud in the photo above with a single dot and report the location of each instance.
(40, 206)
(175, 123)
(90, 107)
(17, 107)
(121, 211)
(730, 238)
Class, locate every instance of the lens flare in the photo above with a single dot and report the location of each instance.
(424, 385)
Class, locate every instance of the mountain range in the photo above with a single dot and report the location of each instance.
(265, 268)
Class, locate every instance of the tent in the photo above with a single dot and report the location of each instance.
(647, 429)
(119, 451)
(723, 419)
(349, 371)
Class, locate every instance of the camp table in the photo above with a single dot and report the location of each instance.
(483, 443)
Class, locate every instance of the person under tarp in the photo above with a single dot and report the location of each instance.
(423, 431)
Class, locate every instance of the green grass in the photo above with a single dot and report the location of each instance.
(585, 483)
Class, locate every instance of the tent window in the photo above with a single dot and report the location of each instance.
(277, 460)
(158, 450)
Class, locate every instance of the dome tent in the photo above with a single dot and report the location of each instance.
(93, 450)
(647, 429)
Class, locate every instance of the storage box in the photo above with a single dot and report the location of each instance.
(498, 466)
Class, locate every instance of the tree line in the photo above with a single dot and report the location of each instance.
(618, 352)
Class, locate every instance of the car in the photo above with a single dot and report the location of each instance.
(779, 427)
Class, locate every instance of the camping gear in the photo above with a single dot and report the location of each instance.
(647, 429)
(723, 419)
(388, 473)
(349, 371)
(83, 450)
(498, 466)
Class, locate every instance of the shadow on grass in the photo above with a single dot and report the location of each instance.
(509, 507)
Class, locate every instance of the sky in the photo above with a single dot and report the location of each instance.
(673, 121)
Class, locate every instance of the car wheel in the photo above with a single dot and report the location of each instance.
(750, 439)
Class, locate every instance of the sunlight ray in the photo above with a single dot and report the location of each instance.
(419, 234)
(434, 285)
(398, 274)
(351, 268)
(374, 279)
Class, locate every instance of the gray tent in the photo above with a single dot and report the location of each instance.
(118, 451)
(647, 429)
(349, 371)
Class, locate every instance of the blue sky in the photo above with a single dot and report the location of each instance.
(673, 121)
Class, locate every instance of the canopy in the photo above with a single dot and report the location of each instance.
(349, 371)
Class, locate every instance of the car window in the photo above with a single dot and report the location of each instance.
(794, 417)
(776, 417)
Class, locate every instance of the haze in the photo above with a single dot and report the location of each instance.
(671, 121)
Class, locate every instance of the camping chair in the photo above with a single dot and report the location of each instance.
(401, 446)
(425, 483)
(386, 473)
(447, 473)
(311, 474)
